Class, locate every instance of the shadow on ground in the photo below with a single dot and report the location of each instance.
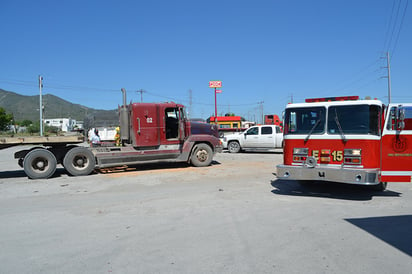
(140, 167)
(329, 190)
(149, 166)
(394, 230)
(275, 151)
(21, 174)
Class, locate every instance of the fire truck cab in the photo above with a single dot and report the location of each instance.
(347, 140)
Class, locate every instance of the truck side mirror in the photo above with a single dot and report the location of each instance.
(400, 118)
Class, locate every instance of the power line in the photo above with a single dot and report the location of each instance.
(386, 39)
(394, 26)
(88, 88)
(400, 28)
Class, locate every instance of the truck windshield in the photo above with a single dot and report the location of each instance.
(305, 120)
(354, 119)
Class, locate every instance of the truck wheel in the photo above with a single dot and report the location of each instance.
(39, 164)
(79, 161)
(233, 147)
(202, 155)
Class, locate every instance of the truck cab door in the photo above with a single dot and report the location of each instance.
(251, 138)
(172, 123)
(396, 158)
(145, 124)
(182, 124)
(175, 124)
(267, 137)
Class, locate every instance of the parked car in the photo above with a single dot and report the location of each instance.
(263, 137)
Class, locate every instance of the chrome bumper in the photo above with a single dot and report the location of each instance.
(332, 174)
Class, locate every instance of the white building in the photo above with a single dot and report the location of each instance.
(63, 124)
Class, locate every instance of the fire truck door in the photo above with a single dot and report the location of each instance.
(397, 144)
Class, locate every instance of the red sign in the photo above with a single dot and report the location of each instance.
(218, 91)
(215, 84)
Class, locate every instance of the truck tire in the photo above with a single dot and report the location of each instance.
(79, 161)
(39, 164)
(233, 147)
(202, 155)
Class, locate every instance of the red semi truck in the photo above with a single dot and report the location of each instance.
(347, 140)
(148, 132)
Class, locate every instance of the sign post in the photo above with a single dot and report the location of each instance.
(215, 85)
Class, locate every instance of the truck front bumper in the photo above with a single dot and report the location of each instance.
(333, 174)
(218, 148)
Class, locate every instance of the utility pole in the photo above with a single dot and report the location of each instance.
(41, 105)
(141, 94)
(389, 76)
(388, 67)
(261, 110)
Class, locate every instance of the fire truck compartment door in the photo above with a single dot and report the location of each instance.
(397, 144)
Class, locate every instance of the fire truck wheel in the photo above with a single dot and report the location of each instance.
(380, 187)
(39, 164)
(202, 155)
(79, 161)
(233, 147)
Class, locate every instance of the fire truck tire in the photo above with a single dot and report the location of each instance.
(79, 161)
(202, 155)
(233, 147)
(380, 187)
(39, 164)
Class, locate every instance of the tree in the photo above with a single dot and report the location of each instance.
(26, 123)
(5, 119)
(34, 128)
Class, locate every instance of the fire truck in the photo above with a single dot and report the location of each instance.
(347, 140)
(148, 132)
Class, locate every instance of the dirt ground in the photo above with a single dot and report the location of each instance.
(231, 217)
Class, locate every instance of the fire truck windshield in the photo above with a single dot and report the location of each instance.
(305, 120)
(340, 120)
(354, 119)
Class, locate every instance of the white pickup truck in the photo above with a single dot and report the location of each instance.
(262, 137)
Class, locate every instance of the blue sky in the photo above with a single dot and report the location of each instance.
(263, 51)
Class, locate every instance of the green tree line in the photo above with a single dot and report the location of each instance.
(6, 120)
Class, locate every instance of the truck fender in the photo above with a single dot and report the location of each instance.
(21, 154)
(189, 147)
(186, 151)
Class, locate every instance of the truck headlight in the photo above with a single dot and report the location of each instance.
(301, 151)
(352, 152)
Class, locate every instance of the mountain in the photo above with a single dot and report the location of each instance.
(27, 108)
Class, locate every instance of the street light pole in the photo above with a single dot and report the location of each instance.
(215, 84)
(215, 107)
